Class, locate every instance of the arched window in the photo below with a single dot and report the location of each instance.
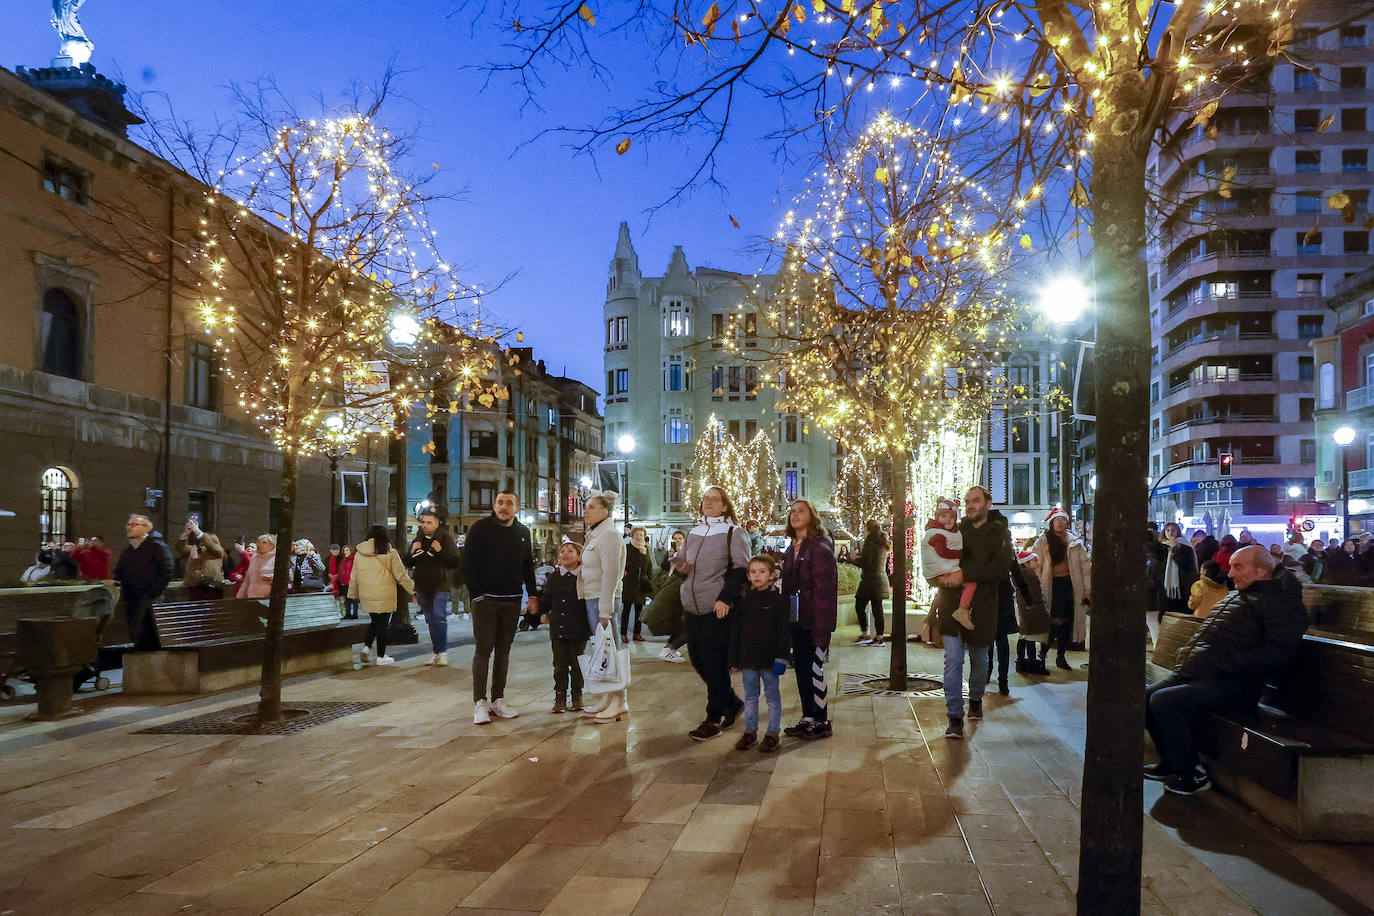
(61, 321)
(56, 520)
(1326, 386)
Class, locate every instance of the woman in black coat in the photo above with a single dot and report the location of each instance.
(636, 586)
(1180, 570)
(874, 587)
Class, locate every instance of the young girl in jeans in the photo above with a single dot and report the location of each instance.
(760, 638)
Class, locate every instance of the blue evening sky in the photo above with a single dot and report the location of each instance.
(537, 210)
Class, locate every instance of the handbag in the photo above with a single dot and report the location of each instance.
(605, 666)
(665, 608)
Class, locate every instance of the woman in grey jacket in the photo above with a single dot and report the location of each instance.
(715, 560)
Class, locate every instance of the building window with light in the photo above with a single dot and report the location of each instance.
(717, 383)
(673, 375)
(677, 319)
(56, 517)
(792, 481)
(677, 430)
(1326, 387)
(618, 332)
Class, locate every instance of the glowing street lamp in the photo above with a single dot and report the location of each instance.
(1343, 437)
(404, 330)
(1064, 299)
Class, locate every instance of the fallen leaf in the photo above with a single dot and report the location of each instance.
(587, 15)
(623, 146)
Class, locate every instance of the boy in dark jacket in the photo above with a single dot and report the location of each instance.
(1032, 617)
(569, 628)
(760, 637)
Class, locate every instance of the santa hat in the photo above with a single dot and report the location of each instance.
(945, 502)
(1055, 513)
(1025, 556)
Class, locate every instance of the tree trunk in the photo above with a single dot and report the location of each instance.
(269, 700)
(897, 636)
(1112, 818)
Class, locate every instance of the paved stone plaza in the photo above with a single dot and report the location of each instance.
(407, 807)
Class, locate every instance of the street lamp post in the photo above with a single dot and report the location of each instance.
(1063, 301)
(404, 332)
(1343, 437)
(625, 445)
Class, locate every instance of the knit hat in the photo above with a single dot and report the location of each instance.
(1025, 556)
(1055, 513)
(944, 502)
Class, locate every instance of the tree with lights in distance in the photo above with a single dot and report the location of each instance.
(1070, 95)
(748, 473)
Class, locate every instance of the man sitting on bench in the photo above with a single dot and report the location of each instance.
(1252, 633)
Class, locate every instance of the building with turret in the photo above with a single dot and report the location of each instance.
(667, 373)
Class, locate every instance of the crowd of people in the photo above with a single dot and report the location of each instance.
(738, 607)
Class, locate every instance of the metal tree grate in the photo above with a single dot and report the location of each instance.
(238, 720)
(919, 686)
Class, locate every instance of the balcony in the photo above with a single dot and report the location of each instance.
(1177, 269)
(1360, 398)
(1231, 334)
(1362, 479)
(1221, 418)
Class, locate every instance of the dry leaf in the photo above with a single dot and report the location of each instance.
(428, 447)
(623, 146)
(708, 22)
(783, 25)
(1311, 235)
(1205, 115)
(519, 336)
(734, 222)
(1337, 200)
(587, 15)
(799, 13)
(1326, 123)
(517, 25)
(734, 27)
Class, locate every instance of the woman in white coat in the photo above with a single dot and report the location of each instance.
(598, 582)
(1065, 579)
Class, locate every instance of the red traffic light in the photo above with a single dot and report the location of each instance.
(1227, 459)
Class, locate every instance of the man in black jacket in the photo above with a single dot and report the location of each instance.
(1251, 634)
(143, 571)
(987, 559)
(498, 559)
(432, 554)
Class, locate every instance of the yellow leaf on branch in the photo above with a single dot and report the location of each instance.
(880, 175)
(1026, 242)
(623, 146)
(708, 22)
(587, 15)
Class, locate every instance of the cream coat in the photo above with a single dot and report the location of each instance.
(603, 566)
(375, 579)
(1080, 573)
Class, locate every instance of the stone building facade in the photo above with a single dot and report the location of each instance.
(109, 398)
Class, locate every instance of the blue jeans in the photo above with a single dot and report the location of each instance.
(435, 608)
(593, 617)
(979, 666)
(753, 678)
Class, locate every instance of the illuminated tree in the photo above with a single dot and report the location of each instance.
(893, 307)
(313, 270)
(858, 494)
(749, 474)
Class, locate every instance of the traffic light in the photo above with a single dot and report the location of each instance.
(1227, 459)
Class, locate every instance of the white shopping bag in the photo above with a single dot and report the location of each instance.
(605, 665)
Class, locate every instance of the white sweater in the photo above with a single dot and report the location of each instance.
(603, 566)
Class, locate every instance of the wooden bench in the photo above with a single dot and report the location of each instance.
(218, 645)
(1304, 759)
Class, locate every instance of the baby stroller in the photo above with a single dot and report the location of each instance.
(95, 603)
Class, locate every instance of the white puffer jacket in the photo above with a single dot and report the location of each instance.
(603, 566)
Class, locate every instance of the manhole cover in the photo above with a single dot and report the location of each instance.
(876, 685)
(238, 720)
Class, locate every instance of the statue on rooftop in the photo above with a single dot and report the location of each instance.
(76, 47)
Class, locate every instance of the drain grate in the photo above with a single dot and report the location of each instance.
(875, 685)
(238, 720)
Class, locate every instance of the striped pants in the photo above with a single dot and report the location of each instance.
(808, 661)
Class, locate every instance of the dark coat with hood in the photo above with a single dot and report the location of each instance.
(635, 585)
(1250, 635)
(431, 565)
(760, 630)
(988, 559)
(567, 612)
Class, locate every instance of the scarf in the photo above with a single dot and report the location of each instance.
(1171, 580)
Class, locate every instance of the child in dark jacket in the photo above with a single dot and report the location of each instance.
(1032, 618)
(569, 629)
(760, 638)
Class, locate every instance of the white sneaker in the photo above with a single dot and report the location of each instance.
(669, 655)
(481, 713)
(364, 655)
(433, 659)
(441, 659)
(385, 660)
(500, 709)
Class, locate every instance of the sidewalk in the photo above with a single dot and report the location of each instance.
(408, 807)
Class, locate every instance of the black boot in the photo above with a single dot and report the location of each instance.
(1061, 662)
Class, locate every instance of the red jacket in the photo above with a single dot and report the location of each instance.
(93, 563)
(340, 574)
